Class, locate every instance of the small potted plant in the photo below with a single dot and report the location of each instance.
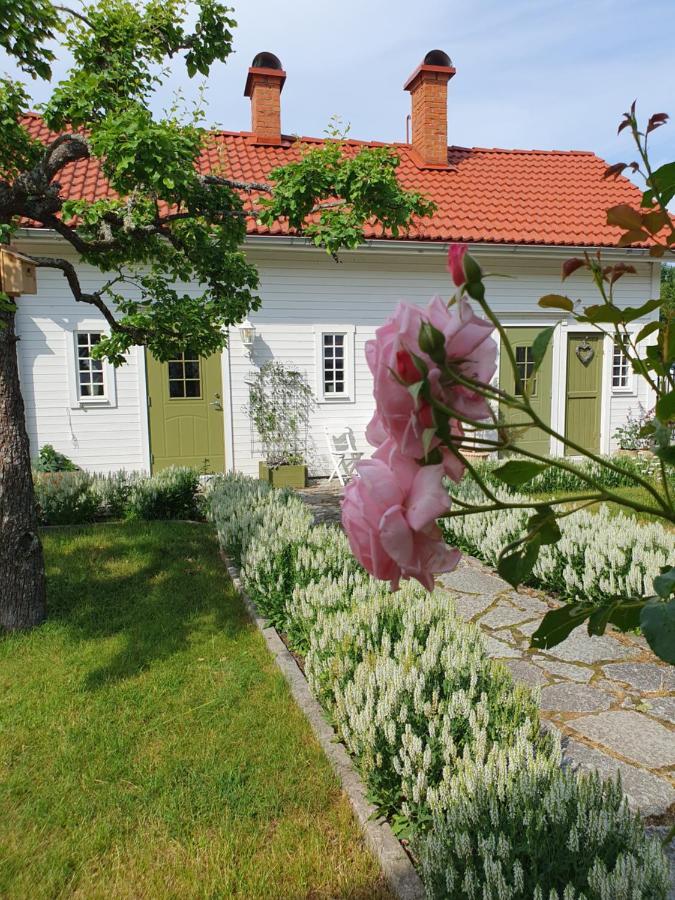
(279, 405)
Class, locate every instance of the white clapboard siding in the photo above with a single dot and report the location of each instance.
(301, 291)
(97, 438)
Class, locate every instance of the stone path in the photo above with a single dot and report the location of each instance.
(610, 698)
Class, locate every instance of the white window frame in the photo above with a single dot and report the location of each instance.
(109, 398)
(629, 387)
(348, 395)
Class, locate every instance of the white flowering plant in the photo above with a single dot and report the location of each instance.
(431, 720)
(412, 692)
(517, 827)
(598, 558)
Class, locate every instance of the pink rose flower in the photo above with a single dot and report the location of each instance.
(389, 515)
(469, 350)
(456, 254)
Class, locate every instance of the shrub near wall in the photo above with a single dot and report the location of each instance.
(76, 498)
(439, 731)
(65, 498)
(170, 494)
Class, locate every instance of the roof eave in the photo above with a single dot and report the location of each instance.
(391, 245)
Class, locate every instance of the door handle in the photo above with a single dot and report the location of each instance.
(215, 403)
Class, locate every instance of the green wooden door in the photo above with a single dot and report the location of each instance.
(186, 412)
(584, 391)
(521, 339)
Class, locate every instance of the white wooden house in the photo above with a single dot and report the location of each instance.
(523, 213)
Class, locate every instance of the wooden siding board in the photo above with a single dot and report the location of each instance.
(300, 289)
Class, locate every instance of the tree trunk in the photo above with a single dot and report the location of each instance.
(22, 569)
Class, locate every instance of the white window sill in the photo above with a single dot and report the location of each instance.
(92, 402)
(624, 392)
(330, 401)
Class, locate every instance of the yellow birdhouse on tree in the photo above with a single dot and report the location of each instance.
(17, 273)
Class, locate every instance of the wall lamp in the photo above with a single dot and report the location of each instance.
(247, 337)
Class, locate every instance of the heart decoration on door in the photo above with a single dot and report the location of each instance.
(585, 353)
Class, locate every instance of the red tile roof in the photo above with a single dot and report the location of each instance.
(484, 196)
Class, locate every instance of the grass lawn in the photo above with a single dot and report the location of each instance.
(638, 494)
(148, 745)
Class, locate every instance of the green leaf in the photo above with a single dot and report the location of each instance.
(432, 342)
(665, 407)
(667, 454)
(540, 346)
(559, 624)
(664, 584)
(518, 471)
(648, 329)
(624, 216)
(597, 621)
(543, 526)
(556, 301)
(658, 626)
(636, 312)
(605, 313)
(626, 614)
(515, 567)
(663, 179)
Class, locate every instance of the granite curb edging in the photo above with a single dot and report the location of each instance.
(399, 872)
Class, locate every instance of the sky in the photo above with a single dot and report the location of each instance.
(545, 74)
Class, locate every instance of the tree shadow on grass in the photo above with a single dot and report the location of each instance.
(155, 584)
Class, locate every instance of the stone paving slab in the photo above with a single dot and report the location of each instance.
(472, 605)
(564, 670)
(646, 792)
(662, 708)
(524, 671)
(500, 616)
(500, 650)
(581, 647)
(643, 676)
(630, 735)
(468, 580)
(529, 604)
(528, 628)
(573, 697)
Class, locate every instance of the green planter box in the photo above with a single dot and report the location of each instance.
(283, 476)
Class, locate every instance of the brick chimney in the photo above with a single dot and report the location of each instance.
(428, 86)
(264, 83)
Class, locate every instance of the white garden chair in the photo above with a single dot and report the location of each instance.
(343, 452)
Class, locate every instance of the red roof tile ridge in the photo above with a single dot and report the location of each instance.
(525, 151)
(296, 138)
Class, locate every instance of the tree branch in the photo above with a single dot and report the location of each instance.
(218, 181)
(94, 299)
(66, 148)
(75, 14)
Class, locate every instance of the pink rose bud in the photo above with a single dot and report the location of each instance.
(456, 263)
(406, 368)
